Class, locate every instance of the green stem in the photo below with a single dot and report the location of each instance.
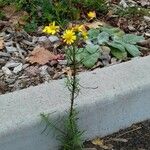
(73, 82)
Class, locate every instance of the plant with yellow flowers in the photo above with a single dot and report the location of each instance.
(71, 136)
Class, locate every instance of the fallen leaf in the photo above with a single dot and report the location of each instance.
(15, 17)
(41, 56)
(99, 143)
(1, 44)
(95, 24)
(9, 11)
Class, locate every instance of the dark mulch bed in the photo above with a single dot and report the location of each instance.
(136, 137)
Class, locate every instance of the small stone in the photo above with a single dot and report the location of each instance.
(43, 70)
(10, 43)
(2, 61)
(32, 70)
(17, 69)
(11, 49)
(113, 61)
(3, 54)
(11, 64)
(147, 34)
(123, 3)
(42, 39)
(53, 38)
(6, 71)
(147, 18)
(62, 62)
(25, 66)
(141, 28)
(51, 71)
(131, 28)
(10, 80)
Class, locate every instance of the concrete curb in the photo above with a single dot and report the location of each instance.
(122, 97)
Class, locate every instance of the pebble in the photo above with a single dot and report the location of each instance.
(10, 80)
(131, 28)
(147, 18)
(17, 69)
(147, 34)
(6, 71)
(11, 49)
(42, 39)
(43, 70)
(62, 62)
(25, 66)
(2, 61)
(10, 43)
(53, 38)
(3, 54)
(123, 3)
(12, 64)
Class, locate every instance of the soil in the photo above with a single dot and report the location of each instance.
(136, 137)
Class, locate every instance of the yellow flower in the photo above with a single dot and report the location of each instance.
(91, 15)
(84, 34)
(81, 28)
(69, 36)
(51, 29)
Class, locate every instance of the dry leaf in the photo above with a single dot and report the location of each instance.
(41, 56)
(9, 11)
(95, 25)
(14, 16)
(1, 44)
(67, 71)
(99, 143)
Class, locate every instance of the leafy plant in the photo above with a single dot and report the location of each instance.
(70, 136)
(120, 43)
(62, 11)
(87, 56)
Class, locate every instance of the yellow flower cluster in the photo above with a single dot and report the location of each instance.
(51, 29)
(70, 35)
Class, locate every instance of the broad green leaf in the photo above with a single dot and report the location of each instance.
(117, 46)
(93, 33)
(118, 54)
(80, 54)
(132, 49)
(132, 39)
(92, 48)
(111, 30)
(90, 60)
(103, 37)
